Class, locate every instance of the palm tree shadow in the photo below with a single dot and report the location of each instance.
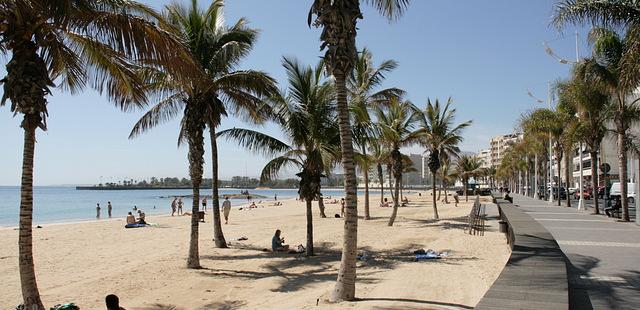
(422, 303)
(219, 305)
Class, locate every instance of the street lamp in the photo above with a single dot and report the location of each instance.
(550, 147)
(548, 50)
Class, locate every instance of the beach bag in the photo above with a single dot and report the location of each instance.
(300, 248)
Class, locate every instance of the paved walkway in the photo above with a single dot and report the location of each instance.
(604, 253)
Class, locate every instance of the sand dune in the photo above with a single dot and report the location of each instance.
(83, 262)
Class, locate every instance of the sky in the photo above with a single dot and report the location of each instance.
(485, 54)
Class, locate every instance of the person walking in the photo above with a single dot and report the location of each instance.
(180, 206)
(174, 206)
(226, 209)
(97, 210)
(109, 208)
(204, 203)
(456, 198)
(275, 197)
(342, 202)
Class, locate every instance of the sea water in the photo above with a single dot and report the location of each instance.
(66, 204)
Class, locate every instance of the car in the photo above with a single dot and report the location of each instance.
(484, 191)
(586, 194)
(572, 190)
(616, 191)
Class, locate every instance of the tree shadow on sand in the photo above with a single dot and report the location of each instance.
(298, 272)
(219, 305)
(407, 303)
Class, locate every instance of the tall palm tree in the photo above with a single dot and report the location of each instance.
(379, 156)
(441, 136)
(468, 167)
(307, 117)
(595, 110)
(205, 99)
(615, 63)
(338, 18)
(74, 44)
(363, 94)
(397, 124)
(573, 129)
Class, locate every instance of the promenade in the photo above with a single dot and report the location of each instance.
(604, 254)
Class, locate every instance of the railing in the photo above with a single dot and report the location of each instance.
(535, 276)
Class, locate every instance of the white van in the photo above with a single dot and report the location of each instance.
(631, 191)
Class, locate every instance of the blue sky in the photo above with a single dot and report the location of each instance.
(484, 53)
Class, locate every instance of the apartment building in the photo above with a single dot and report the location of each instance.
(499, 146)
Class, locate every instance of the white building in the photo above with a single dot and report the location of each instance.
(484, 156)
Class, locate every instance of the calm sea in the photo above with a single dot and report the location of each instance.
(66, 204)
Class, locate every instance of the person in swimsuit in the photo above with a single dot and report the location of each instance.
(109, 208)
(226, 209)
(98, 211)
(131, 219)
(204, 204)
(173, 206)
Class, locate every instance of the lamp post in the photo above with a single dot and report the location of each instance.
(581, 205)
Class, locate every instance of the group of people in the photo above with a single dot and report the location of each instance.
(131, 219)
(177, 203)
(109, 209)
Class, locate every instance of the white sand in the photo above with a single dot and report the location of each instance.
(145, 267)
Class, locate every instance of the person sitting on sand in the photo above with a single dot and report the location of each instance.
(131, 219)
(253, 205)
(405, 201)
(112, 301)
(277, 243)
(384, 204)
(141, 217)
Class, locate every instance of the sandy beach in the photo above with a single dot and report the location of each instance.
(145, 267)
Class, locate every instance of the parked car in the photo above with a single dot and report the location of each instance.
(572, 190)
(631, 191)
(484, 191)
(586, 194)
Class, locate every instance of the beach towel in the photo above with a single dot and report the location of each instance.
(134, 225)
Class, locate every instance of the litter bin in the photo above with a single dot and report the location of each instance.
(201, 216)
(504, 226)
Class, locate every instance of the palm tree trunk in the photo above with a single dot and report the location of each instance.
(218, 236)
(594, 180)
(446, 196)
(390, 172)
(559, 160)
(396, 197)
(381, 180)
(622, 162)
(367, 215)
(321, 207)
(466, 193)
(196, 161)
(345, 288)
(30, 293)
(435, 207)
(568, 172)
(309, 249)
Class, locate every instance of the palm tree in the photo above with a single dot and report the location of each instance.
(594, 110)
(307, 117)
(397, 126)
(74, 43)
(379, 156)
(441, 136)
(209, 94)
(468, 167)
(338, 18)
(361, 86)
(615, 62)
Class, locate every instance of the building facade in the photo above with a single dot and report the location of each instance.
(499, 146)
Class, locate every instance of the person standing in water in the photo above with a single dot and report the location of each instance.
(275, 197)
(97, 210)
(109, 208)
(180, 206)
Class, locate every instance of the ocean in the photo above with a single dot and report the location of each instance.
(53, 204)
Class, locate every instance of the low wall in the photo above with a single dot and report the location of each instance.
(535, 276)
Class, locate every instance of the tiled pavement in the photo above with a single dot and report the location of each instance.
(604, 254)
